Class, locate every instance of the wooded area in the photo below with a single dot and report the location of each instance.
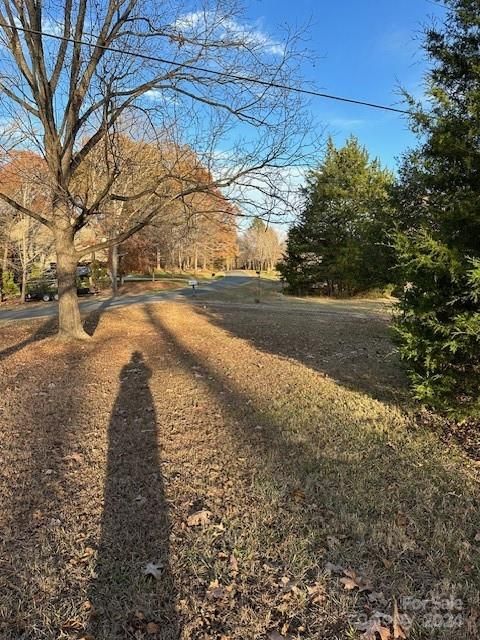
(200, 232)
(417, 235)
(129, 137)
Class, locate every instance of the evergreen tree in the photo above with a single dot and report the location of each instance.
(439, 244)
(341, 238)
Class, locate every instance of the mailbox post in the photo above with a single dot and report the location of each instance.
(193, 284)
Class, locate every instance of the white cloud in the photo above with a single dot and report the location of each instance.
(55, 27)
(190, 21)
(226, 26)
(346, 123)
(154, 95)
(159, 95)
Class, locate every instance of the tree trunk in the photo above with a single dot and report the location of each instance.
(114, 270)
(3, 268)
(24, 260)
(23, 293)
(69, 321)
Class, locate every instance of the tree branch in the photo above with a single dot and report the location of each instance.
(18, 207)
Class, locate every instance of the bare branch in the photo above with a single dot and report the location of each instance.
(20, 208)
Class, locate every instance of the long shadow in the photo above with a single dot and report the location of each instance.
(39, 479)
(345, 487)
(46, 330)
(92, 320)
(355, 351)
(135, 524)
(49, 328)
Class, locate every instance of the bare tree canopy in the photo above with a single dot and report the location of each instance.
(260, 246)
(122, 69)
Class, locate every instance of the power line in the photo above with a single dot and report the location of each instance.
(222, 74)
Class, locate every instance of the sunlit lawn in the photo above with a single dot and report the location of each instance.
(251, 456)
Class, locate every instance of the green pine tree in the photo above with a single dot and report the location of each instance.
(438, 246)
(340, 241)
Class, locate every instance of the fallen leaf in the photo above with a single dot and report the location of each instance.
(72, 624)
(75, 457)
(199, 518)
(316, 592)
(348, 583)
(401, 519)
(233, 563)
(216, 591)
(472, 622)
(153, 569)
(353, 581)
(88, 552)
(88, 606)
(373, 628)
(152, 628)
(398, 632)
(297, 495)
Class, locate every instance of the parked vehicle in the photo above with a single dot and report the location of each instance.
(46, 287)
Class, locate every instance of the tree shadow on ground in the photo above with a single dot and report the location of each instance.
(38, 482)
(49, 328)
(46, 330)
(364, 498)
(92, 320)
(135, 524)
(353, 349)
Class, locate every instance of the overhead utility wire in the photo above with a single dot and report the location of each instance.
(223, 74)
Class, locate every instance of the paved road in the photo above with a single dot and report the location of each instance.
(91, 304)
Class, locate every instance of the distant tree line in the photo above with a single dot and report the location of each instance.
(362, 229)
(130, 132)
(198, 232)
(260, 247)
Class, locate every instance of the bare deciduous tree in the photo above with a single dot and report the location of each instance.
(260, 246)
(170, 76)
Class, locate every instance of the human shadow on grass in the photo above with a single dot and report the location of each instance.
(355, 351)
(369, 498)
(135, 523)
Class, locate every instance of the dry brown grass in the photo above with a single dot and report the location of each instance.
(285, 427)
(144, 286)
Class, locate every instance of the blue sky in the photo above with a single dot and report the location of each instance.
(364, 49)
